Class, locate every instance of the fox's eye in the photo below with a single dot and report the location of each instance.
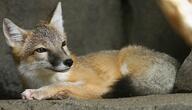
(41, 50)
(63, 43)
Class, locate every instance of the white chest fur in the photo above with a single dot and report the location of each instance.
(60, 77)
(38, 78)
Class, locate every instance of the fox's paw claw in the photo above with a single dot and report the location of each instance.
(33, 94)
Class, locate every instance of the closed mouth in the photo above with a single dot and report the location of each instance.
(55, 70)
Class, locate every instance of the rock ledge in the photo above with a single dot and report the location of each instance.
(153, 102)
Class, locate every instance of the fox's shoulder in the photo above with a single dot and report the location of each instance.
(100, 62)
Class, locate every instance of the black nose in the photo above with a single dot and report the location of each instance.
(68, 62)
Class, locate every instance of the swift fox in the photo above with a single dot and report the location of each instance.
(49, 71)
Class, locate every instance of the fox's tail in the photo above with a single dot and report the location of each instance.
(179, 14)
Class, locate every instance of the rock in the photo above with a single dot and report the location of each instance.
(184, 76)
(158, 102)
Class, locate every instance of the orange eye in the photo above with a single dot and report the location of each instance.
(41, 50)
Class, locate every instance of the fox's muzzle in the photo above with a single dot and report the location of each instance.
(58, 63)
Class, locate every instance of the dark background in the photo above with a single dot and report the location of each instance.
(91, 25)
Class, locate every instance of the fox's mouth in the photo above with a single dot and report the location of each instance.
(61, 70)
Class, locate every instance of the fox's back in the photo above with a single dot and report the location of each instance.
(139, 59)
(136, 59)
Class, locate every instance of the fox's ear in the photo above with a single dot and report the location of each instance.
(57, 19)
(13, 34)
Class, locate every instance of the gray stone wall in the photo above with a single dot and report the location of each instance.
(91, 25)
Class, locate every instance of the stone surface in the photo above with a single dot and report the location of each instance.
(90, 26)
(184, 76)
(158, 102)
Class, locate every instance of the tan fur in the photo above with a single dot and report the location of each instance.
(97, 71)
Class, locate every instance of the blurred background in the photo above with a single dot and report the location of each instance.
(91, 25)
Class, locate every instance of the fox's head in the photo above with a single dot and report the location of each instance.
(44, 47)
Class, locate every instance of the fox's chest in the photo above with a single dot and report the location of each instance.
(36, 79)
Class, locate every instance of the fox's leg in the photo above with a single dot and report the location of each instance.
(60, 91)
(179, 13)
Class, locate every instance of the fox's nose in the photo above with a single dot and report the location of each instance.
(68, 62)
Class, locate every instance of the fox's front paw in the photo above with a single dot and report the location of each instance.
(34, 94)
(40, 94)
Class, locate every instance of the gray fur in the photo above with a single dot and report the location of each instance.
(159, 78)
